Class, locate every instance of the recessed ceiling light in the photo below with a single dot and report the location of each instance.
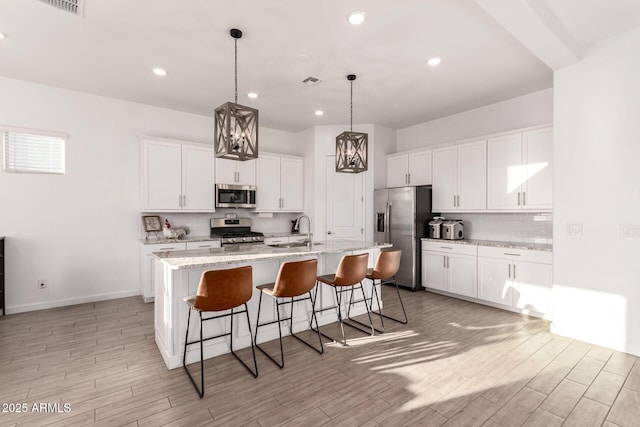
(319, 112)
(434, 61)
(252, 95)
(356, 17)
(2, 36)
(159, 72)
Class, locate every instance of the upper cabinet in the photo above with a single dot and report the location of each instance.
(235, 172)
(409, 169)
(177, 176)
(520, 171)
(280, 183)
(460, 177)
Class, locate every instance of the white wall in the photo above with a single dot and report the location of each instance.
(79, 231)
(385, 143)
(597, 184)
(521, 112)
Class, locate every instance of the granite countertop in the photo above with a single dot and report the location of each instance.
(244, 253)
(513, 245)
(281, 234)
(163, 240)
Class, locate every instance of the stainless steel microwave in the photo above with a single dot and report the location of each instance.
(235, 196)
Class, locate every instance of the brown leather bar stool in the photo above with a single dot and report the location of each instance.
(220, 290)
(294, 280)
(387, 265)
(352, 270)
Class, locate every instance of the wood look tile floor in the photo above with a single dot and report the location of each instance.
(455, 364)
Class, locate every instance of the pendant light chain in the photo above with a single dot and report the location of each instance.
(236, 68)
(351, 105)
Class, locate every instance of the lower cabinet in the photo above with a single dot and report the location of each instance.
(516, 278)
(147, 261)
(450, 267)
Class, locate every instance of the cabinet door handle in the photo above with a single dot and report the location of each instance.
(509, 271)
(166, 249)
(282, 202)
(409, 178)
(523, 197)
(518, 198)
(514, 271)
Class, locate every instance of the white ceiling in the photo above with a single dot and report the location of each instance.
(113, 48)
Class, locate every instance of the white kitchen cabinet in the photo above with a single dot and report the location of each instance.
(147, 260)
(208, 244)
(520, 171)
(516, 278)
(494, 283)
(450, 267)
(459, 177)
(280, 183)
(235, 172)
(176, 176)
(409, 169)
(147, 265)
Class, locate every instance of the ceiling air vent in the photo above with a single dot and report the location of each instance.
(311, 81)
(71, 6)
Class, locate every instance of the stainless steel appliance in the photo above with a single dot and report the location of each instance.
(401, 218)
(234, 230)
(435, 228)
(235, 196)
(452, 229)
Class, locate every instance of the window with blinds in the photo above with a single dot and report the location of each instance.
(33, 152)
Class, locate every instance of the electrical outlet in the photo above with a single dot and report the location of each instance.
(630, 231)
(42, 284)
(574, 229)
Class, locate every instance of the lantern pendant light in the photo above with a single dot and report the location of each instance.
(236, 126)
(351, 147)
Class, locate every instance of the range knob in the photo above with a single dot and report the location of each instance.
(232, 240)
(256, 239)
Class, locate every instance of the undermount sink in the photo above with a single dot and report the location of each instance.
(293, 245)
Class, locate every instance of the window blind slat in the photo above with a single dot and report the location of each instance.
(33, 153)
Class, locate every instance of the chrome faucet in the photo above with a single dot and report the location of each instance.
(308, 229)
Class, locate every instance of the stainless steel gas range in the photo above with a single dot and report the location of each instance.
(234, 231)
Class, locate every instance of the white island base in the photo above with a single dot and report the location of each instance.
(177, 275)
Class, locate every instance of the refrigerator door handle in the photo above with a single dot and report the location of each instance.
(387, 223)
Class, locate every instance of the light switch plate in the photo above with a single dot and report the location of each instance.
(574, 229)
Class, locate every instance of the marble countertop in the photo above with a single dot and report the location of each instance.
(513, 245)
(250, 253)
(185, 239)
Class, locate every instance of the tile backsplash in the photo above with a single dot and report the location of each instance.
(507, 227)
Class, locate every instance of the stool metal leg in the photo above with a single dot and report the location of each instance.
(184, 357)
(281, 363)
(279, 321)
(338, 297)
(370, 325)
(404, 312)
(255, 363)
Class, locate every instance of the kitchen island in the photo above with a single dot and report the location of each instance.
(177, 275)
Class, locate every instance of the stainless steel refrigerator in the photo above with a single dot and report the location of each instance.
(401, 218)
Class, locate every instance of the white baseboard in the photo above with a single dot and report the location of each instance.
(70, 301)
